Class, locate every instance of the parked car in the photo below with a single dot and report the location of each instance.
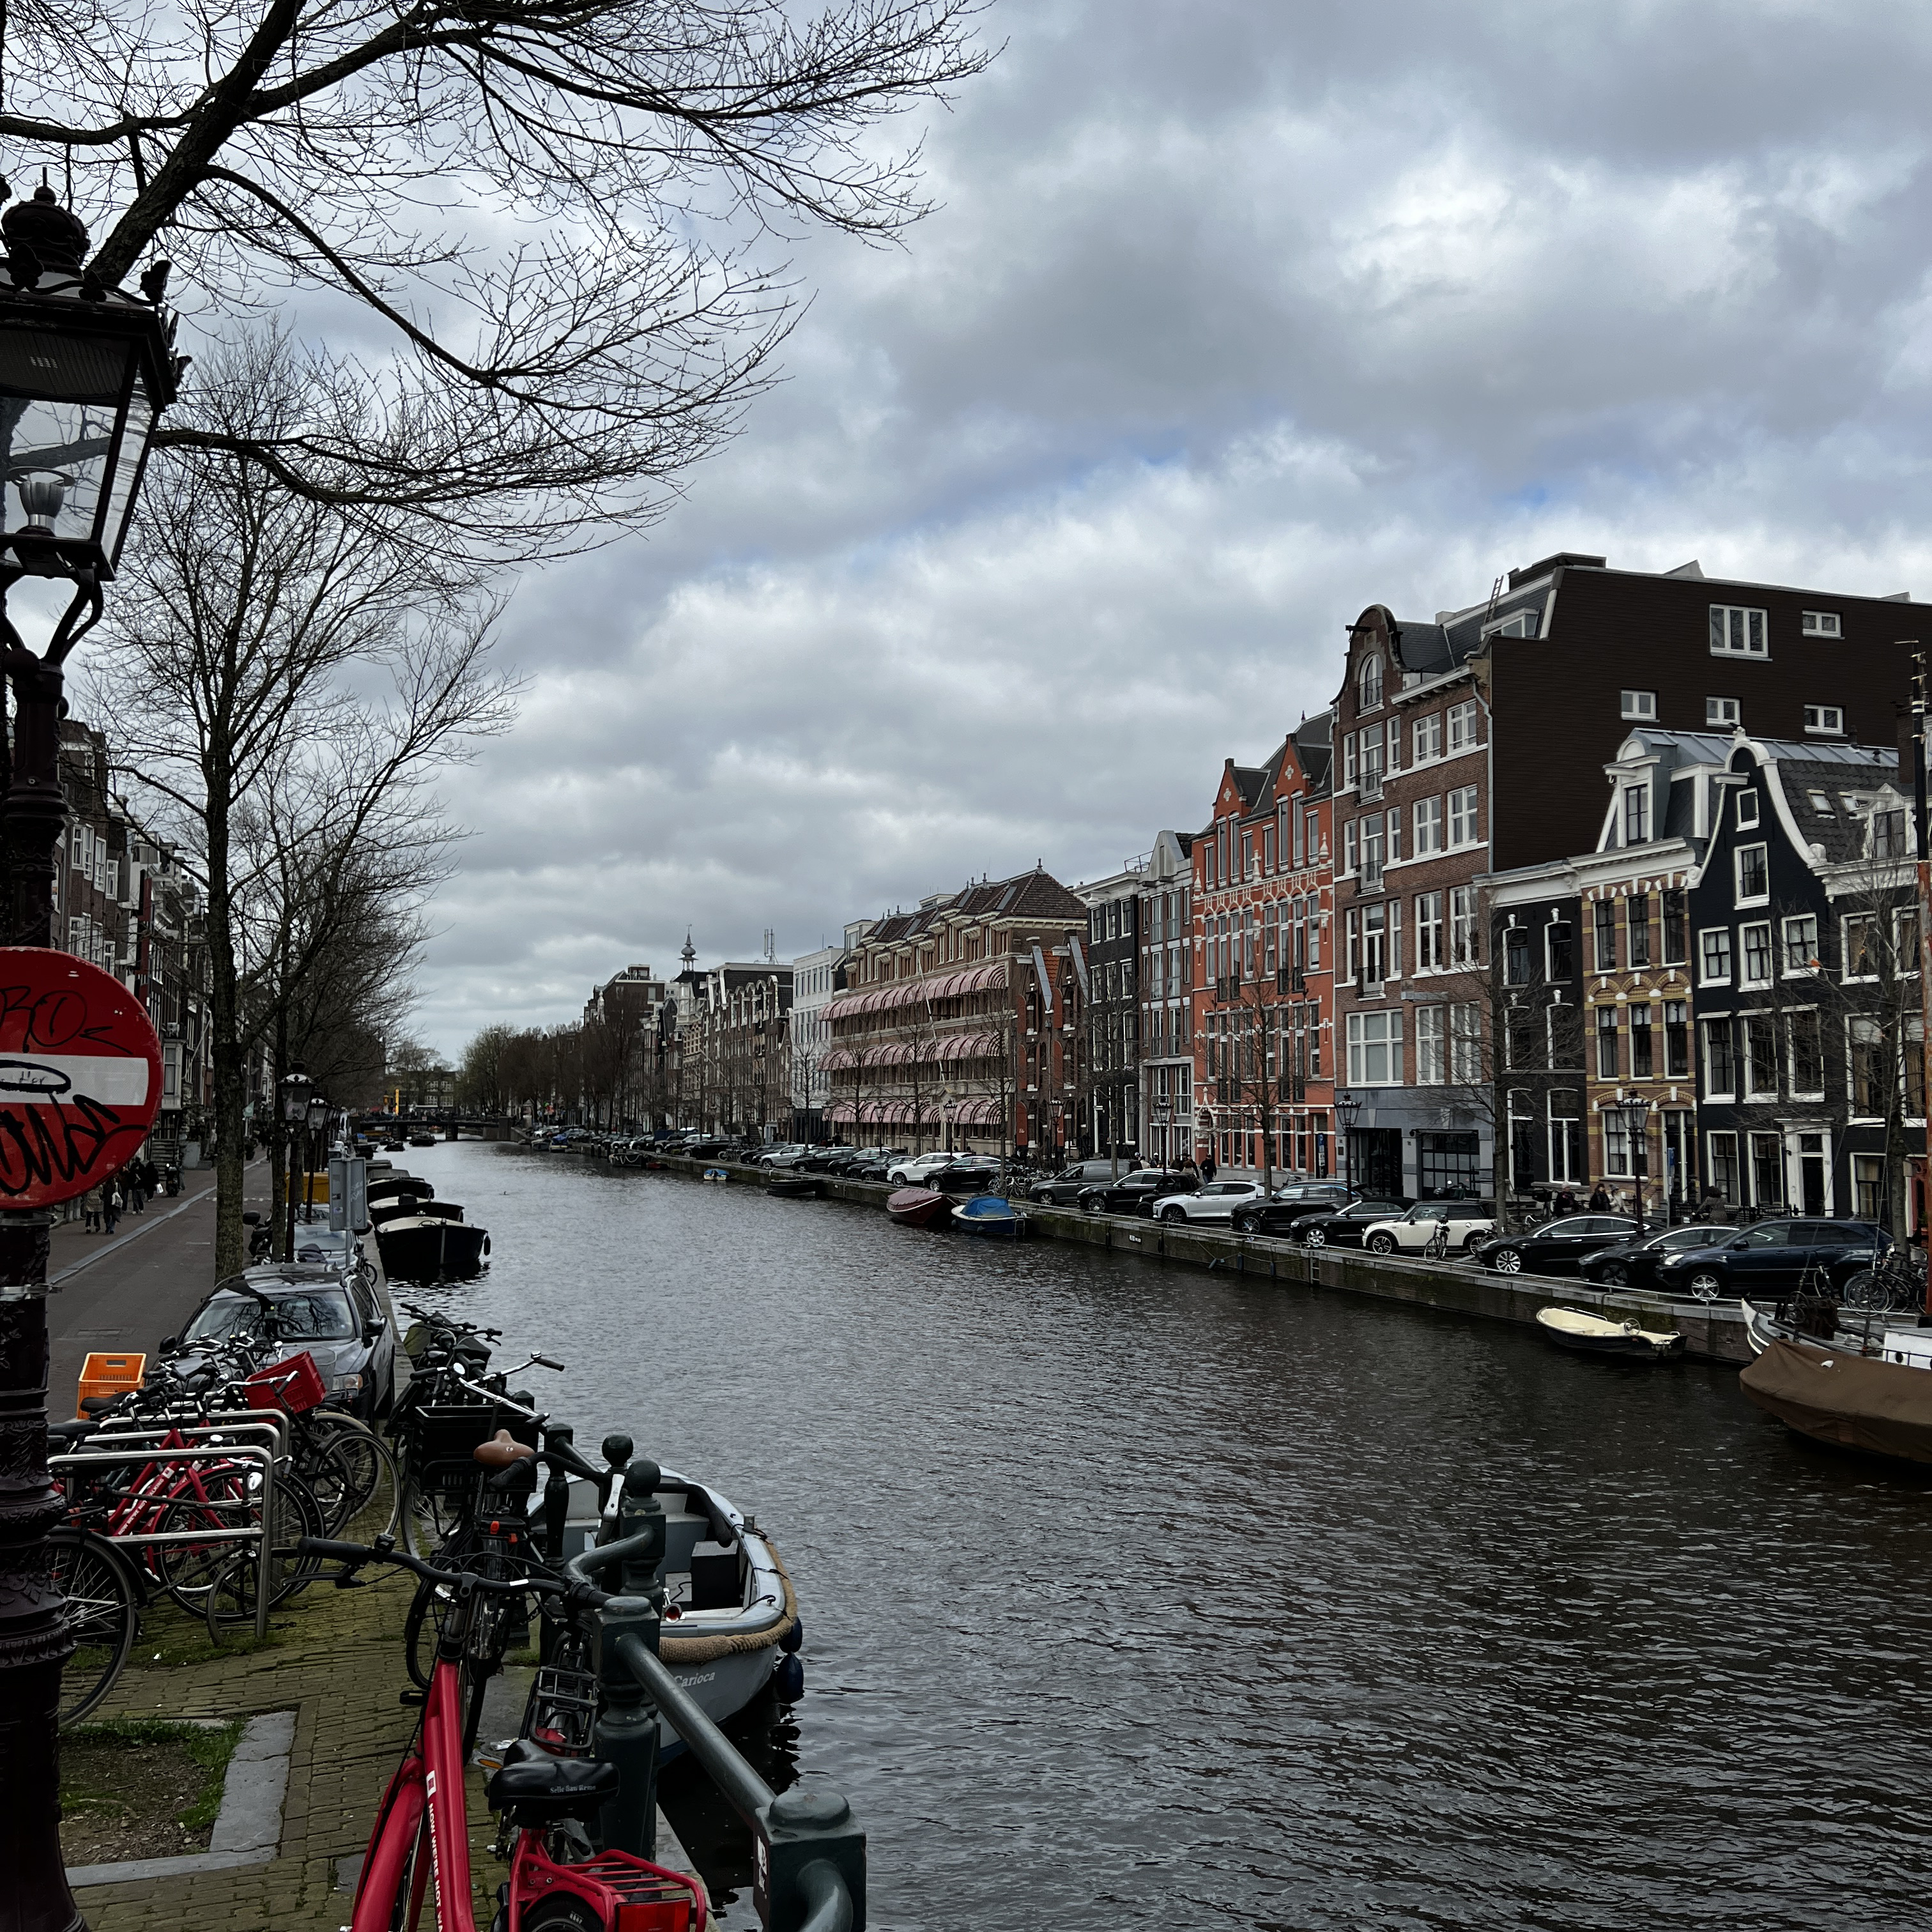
(965, 1174)
(1062, 1189)
(1771, 1259)
(1556, 1247)
(1467, 1223)
(1217, 1201)
(911, 1171)
(1134, 1193)
(1278, 1213)
(1633, 1264)
(337, 1318)
(1346, 1226)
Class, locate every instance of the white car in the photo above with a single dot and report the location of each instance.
(910, 1173)
(1216, 1202)
(1467, 1224)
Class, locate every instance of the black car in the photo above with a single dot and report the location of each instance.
(1774, 1259)
(965, 1175)
(1296, 1202)
(1633, 1264)
(1557, 1247)
(336, 1319)
(1345, 1227)
(1062, 1189)
(1135, 1193)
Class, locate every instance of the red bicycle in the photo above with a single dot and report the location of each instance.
(547, 1788)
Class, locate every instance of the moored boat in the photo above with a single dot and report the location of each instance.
(797, 1187)
(731, 1613)
(1825, 1331)
(401, 1207)
(1849, 1401)
(427, 1247)
(988, 1214)
(1589, 1334)
(918, 1207)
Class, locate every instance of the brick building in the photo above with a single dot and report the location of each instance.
(964, 1015)
(1165, 985)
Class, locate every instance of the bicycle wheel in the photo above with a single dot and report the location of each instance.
(373, 1482)
(228, 1596)
(102, 1616)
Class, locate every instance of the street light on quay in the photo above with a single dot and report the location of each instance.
(1348, 1111)
(85, 371)
(1632, 1111)
(297, 1087)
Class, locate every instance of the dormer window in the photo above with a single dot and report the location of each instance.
(1519, 624)
(1369, 686)
(1887, 835)
(1636, 814)
(1821, 803)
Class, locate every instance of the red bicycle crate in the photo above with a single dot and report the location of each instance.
(294, 1383)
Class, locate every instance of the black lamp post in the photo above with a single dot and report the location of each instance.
(1348, 1111)
(296, 1087)
(84, 370)
(1634, 1111)
(318, 1125)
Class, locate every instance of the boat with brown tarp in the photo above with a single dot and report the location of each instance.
(918, 1207)
(1850, 1401)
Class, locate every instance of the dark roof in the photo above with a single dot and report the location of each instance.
(1035, 894)
(1836, 829)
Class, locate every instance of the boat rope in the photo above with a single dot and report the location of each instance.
(677, 1649)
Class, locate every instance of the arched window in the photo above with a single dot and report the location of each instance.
(1370, 681)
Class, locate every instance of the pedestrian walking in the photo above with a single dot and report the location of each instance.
(111, 1203)
(136, 1199)
(1207, 1168)
(1565, 1202)
(1600, 1200)
(90, 1209)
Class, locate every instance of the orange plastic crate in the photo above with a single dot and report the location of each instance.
(110, 1375)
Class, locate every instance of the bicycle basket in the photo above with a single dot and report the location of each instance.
(561, 1712)
(439, 1448)
(293, 1385)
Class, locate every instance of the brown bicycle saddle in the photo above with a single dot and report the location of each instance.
(502, 1450)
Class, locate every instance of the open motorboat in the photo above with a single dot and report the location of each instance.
(1589, 1334)
(918, 1207)
(430, 1247)
(399, 1208)
(730, 1613)
(1850, 1401)
(1820, 1326)
(796, 1187)
(989, 1214)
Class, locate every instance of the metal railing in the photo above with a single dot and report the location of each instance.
(809, 1852)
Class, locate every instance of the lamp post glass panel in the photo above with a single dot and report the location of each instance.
(1348, 1111)
(85, 371)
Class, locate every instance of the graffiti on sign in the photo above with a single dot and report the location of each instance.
(80, 1076)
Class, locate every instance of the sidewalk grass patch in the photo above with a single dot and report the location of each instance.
(141, 1787)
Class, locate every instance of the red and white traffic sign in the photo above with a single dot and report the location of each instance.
(80, 1076)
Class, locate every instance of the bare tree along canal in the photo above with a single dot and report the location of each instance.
(1138, 1597)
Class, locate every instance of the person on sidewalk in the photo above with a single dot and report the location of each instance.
(90, 1210)
(131, 1175)
(113, 1202)
(1600, 1200)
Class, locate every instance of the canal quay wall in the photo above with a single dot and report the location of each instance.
(1712, 1333)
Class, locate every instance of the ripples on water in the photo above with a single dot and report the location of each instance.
(1135, 1597)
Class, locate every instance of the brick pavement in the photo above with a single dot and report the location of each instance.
(339, 1664)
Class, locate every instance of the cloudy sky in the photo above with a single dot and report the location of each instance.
(1235, 318)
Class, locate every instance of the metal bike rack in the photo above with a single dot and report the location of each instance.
(256, 1532)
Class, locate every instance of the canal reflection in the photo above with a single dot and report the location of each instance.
(1140, 1597)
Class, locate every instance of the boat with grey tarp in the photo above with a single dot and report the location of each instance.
(730, 1614)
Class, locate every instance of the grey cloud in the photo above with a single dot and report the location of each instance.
(1233, 319)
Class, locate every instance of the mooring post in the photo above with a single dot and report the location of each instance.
(557, 1489)
(627, 1731)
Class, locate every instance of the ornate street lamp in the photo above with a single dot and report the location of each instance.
(1348, 1111)
(1632, 1110)
(296, 1088)
(85, 371)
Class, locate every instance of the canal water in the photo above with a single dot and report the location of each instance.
(1137, 1597)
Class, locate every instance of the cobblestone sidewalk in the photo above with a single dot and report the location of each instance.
(335, 1658)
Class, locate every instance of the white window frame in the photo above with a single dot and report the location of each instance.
(1740, 897)
(1464, 795)
(1745, 976)
(1712, 1091)
(1824, 720)
(1820, 624)
(1426, 740)
(1428, 827)
(1846, 923)
(1706, 935)
(1368, 683)
(1637, 808)
(1375, 1033)
(1430, 957)
(1466, 1044)
(1463, 913)
(1806, 936)
(1745, 816)
(1640, 706)
(1462, 727)
(1723, 714)
(1734, 633)
(1432, 1046)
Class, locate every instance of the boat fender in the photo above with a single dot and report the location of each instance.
(792, 1639)
(788, 1680)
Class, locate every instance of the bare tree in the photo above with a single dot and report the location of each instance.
(545, 212)
(255, 633)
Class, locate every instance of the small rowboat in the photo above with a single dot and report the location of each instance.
(798, 1188)
(714, 1174)
(918, 1207)
(988, 1214)
(1592, 1335)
